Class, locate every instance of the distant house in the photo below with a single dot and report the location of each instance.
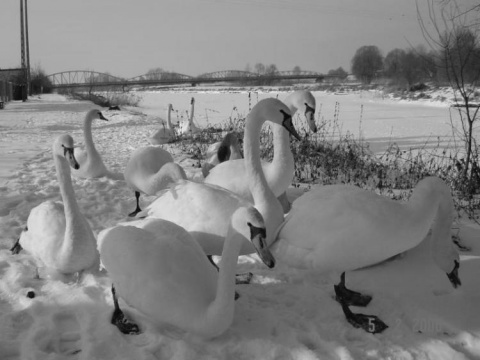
(16, 89)
(10, 74)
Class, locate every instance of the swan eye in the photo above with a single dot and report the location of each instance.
(308, 109)
(101, 117)
(257, 231)
(285, 115)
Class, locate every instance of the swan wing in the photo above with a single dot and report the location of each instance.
(342, 228)
(203, 210)
(46, 231)
(163, 276)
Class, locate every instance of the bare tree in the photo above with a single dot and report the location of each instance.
(453, 30)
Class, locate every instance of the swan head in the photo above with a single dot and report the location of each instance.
(224, 151)
(170, 107)
(95, 114)
(275, 111)
(248, 222)
(304, 101)
(192, 101)
(309, 110)
(63, 146)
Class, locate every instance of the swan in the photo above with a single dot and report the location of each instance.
(188, 127)
(90, 161)
(165, 134)
(227, 149)
(205, 209)
(343, 227)
(279, 173)
(57, 234)
(160, 270)
(149, 170)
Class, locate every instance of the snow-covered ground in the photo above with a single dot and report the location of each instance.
(284, 313)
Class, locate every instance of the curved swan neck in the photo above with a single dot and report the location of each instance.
(87, 134)
(258, 184)
(221, 310)
(169, 120)
(168, 173)
(66, 187)
(281, 145)
(192, 107)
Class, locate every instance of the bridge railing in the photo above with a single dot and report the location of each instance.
(78, 78)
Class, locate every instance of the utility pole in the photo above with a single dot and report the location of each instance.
(25, 57)
(29, 86)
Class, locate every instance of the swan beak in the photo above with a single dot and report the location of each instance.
(68, 153)
(453, 276)
(101, 117)
(309, 115)
(288, 124)
(258, 237)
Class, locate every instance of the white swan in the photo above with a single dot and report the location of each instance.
(149, 170)
(160, 270)
(304, 101)
(204, 209)
(342, 227)
(57, 234)
(279, 173)
(90, 161)
(227, 149)
(188, 128)
(165, 134)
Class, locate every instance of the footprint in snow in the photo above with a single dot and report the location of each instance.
(63, 337)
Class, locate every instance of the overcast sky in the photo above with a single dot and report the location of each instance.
(128, 37)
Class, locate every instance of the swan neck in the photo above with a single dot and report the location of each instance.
(221, 310)
(87, 134)
(71, 208)
(167, 175)
(253, 167)
(169, 119)
(192, 107)
(281, 145)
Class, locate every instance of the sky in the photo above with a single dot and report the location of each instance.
(127, 38)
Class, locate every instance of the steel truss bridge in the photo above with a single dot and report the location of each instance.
(85, 78)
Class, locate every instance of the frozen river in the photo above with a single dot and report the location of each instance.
(380, 121)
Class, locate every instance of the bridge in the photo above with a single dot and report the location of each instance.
(86, 78)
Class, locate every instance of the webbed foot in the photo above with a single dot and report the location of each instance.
(120, 321)
(370, 323)
(349, 297)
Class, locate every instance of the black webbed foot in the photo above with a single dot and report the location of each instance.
(370, 323)
(137, 209)
(135, 212)
(120, 321)
(349, 297)
(16, 248)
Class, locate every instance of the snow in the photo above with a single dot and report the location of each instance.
(284, 313)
